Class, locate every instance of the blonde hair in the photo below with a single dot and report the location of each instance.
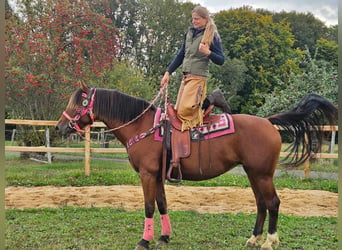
(210, 28)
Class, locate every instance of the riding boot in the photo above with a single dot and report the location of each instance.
(217, 98)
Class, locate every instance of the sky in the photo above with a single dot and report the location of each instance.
(326, 11)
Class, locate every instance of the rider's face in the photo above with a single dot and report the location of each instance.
(198, 22)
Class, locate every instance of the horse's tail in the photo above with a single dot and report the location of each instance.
(303, 124)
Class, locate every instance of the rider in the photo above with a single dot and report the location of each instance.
(201, 45)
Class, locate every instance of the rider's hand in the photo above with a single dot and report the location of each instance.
(204, 48)
(165, 79)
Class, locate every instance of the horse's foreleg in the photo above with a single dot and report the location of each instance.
(149, 185)
(166, 229)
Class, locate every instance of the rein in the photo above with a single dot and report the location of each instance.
(160, 93)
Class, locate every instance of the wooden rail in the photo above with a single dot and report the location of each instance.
(317, 155)
(87, 150)
(43, 123)
(44, 149)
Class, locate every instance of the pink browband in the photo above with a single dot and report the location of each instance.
(85, 109)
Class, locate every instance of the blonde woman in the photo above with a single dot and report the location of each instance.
(201, 45)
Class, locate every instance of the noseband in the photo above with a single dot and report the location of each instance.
(85, 109)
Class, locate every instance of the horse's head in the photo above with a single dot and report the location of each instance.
(79, 112)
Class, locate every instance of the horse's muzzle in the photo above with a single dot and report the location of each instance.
(63, 130)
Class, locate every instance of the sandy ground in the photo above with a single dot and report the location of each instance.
(303, 203)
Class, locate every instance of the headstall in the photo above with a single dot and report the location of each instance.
(85, 109)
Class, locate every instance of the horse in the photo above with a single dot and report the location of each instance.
(255, 144)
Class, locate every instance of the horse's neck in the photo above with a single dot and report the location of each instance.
(125, 131)
(117, 129)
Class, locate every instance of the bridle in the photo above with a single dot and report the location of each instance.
(85, 109)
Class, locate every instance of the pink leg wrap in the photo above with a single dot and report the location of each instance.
(166, 225)
(148, 229)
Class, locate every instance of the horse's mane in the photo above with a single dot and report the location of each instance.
(115, 105)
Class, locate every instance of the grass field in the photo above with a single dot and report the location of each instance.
(108, 228)
(71, 173)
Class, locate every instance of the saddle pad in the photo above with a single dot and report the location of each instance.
(223, 126)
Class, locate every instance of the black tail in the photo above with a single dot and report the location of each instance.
(303, 124)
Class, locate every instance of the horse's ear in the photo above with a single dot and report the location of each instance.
(83, 86)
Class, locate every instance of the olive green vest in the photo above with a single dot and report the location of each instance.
(194, 61)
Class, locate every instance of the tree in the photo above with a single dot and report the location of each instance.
(332, 33)
(48, 48)
(153, 31)
(263, 45)
(305, 27)
(230, 78)
(319, 77)
(327, 50)
(49, 45)
(129, 80)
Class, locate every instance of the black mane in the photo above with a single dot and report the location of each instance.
(115, 105)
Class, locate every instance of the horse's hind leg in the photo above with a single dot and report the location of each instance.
(166, 229)
(272, 203)
(266, 199)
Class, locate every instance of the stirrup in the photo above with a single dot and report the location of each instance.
(175, 165)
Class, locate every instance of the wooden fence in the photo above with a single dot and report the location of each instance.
(87, 150)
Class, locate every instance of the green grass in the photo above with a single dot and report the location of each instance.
(71, 173)
(107, 228)
(321, 165)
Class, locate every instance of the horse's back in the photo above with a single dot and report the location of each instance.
(254, 130)
(259, 141)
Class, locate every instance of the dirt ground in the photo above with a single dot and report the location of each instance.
(304, 203)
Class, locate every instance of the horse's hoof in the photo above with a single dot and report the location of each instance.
(254, 242)
(272, 239)
(142, 245)
(163, 241)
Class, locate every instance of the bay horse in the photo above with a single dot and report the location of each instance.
(255, 144)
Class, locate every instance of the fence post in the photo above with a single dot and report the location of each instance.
(332, 142)
(307, 168)
(47, 138)
(102, 137)
(332, 145)
(87, 151)
(13, 136)
(307, 162)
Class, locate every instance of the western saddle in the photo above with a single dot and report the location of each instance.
(180, 143)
